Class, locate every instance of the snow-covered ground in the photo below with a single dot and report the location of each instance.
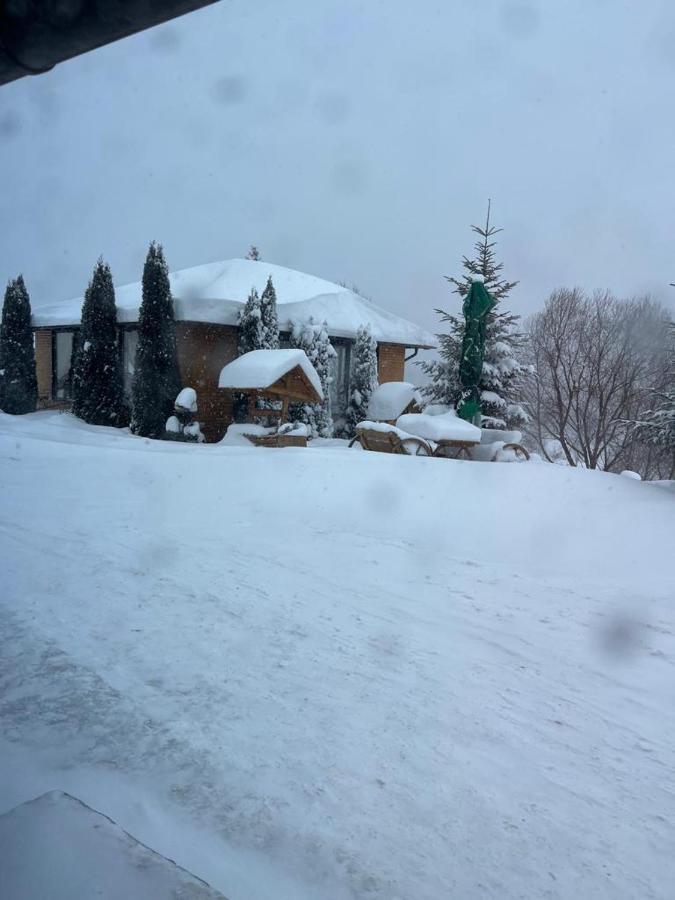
(329, 673)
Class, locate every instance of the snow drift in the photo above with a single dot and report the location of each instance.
(327, 673)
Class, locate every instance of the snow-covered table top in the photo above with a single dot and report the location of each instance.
(447, 427)
(388, 400)
(490, 435)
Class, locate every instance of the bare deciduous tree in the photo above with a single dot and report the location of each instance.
(596, 358)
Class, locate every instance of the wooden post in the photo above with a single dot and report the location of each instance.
(284, 410)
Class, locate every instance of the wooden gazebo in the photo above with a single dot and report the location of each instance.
(281, 376)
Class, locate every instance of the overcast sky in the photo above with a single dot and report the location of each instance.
(357, 141)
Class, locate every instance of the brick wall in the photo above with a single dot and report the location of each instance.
(203, 350)
(43, 365)
(390, 362)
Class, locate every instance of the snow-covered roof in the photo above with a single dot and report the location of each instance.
(262, 368)
(390, 399)
(215, 292)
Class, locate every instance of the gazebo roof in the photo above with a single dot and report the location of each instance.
(287, 373)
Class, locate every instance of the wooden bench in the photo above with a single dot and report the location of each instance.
(390, 442)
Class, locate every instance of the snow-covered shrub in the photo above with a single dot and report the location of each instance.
(182, 426)
(312, 337)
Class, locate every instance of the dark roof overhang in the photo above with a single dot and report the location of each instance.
(35, 35)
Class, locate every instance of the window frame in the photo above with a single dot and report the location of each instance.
(122, 329)
(61, 329)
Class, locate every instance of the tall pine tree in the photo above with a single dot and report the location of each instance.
(253, 253)
(312, 337)
(269, 318)
(18, 381)
(157, 377)
(363, 378)
(98, 391)
(502, 368)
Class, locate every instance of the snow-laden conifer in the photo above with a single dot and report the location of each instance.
(503, 368)
(363, 378)
(156, 377)
(269, 317)
(18, 381)
(312, 337)
(96, 370)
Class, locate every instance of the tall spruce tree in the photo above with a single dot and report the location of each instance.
(253, 253)
(250, 324)
(363, 378)
(503, 369)
(269, 318)
(250, 338)
(98, 390)
(312, 337)
(157, 377)
(18, 381)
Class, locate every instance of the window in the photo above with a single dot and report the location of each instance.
(339, 386)
(129, 345)
(62, 352)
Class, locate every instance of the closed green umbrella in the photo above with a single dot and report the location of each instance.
(477, 305)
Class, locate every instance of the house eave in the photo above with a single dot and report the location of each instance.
(338, 335)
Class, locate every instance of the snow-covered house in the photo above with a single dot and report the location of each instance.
(207, 302)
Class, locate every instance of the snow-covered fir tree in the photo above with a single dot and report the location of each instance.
(269, 318)
(312, 337)
(98, 390)
(503, 368)
(253, 253)
(18, 381)
(258, 321)
(250, 324)
(250, 338)
(363, 378)
(657, 424)
(157, 378)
